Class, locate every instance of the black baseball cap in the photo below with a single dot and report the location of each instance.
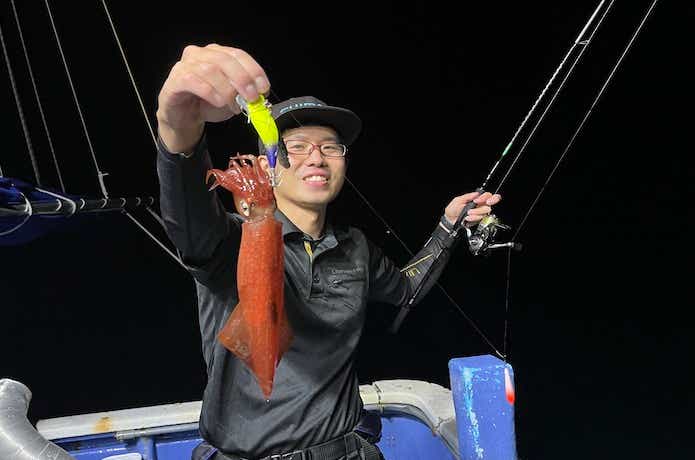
(308, 110)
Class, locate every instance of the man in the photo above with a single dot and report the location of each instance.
(330, 272)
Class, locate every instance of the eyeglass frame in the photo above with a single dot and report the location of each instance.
(315, 146)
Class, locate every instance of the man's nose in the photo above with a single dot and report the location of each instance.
(315, 156)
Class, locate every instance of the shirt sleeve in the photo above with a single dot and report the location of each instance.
(205, 235)
(394, 285)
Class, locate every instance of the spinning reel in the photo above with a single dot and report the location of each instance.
(481, 238)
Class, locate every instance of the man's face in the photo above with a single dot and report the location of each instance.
(312, 181)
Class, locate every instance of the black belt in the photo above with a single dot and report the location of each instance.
(350, 446)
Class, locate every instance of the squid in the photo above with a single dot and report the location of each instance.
(257, 331)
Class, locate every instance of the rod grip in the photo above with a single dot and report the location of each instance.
(470, 205)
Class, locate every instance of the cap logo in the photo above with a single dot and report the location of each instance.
(299, 105)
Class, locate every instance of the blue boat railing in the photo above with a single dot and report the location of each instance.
(418, 422)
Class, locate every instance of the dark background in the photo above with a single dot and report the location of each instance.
(100, 318)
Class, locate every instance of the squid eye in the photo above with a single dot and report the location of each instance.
(244, 207)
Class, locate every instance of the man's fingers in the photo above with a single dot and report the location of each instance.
(472, 218)
(483, 198)
(249, 64)
(465, 198)
(229, 64)
(494, 199)
(480, 211)
(185, 80)
(200, 74)
(483, 205)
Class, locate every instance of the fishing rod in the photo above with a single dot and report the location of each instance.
(483, 235)
(587, 114)
(481, 239)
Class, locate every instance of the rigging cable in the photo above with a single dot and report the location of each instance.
(28, 211)
(130, 73)
(36, 95)
(20, 110)
(100, 174)
(156, 216)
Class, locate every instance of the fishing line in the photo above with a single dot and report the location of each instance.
(586, 115)
(585, 46)
(391, 231)
(577, 42)
(459, 224)
(506, 303)
(574, 135)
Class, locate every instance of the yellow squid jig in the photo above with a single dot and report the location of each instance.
(260, 116)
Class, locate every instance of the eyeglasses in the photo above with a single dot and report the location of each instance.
(330, 149)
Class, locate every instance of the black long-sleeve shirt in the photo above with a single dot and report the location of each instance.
(328, 284)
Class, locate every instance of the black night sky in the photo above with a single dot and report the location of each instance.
(97, 317)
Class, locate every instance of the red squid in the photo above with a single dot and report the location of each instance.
(257, 331)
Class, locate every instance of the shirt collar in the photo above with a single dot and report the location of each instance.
(328, 238)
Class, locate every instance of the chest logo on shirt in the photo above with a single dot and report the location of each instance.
(353, 272)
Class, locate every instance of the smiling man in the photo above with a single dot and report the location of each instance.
(313, 134)
(318, 179)
(331, 272)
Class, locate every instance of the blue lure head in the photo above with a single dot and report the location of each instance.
(272, 154)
